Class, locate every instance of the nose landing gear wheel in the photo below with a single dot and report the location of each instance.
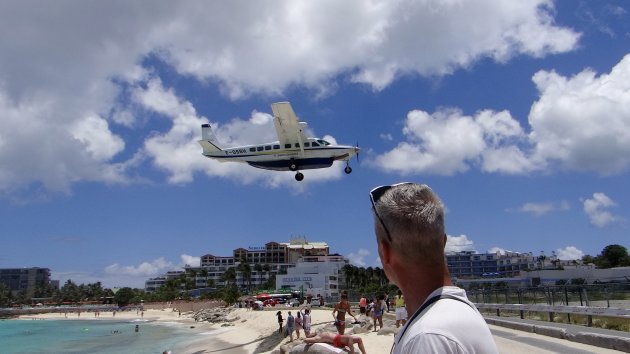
(299, 176)
(347, 170)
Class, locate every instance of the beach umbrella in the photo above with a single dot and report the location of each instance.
(262, 296)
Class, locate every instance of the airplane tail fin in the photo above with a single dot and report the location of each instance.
(208, 140)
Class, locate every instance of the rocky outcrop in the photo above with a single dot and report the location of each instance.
(215, 315)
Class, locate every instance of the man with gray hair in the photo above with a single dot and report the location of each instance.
(409, 227)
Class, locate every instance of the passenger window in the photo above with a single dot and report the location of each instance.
(252, 149)
(287, 146)
(268, 147)
(307, 144)
(315, 144)
(276, 147)
(259, 148)
(297, 145)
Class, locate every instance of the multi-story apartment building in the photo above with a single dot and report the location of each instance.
(264, 261)
(471, 265)
(24, 279)
(315, 276)
(153, 284)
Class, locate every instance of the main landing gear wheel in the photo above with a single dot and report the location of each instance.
(299, 176)
(347, 170)
(293, 165)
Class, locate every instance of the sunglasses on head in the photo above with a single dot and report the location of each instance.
(375, 195)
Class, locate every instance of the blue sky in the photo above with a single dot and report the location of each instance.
(515, 113)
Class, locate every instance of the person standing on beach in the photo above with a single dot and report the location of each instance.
(339, 313)
(401, 311)
(369, 308)
(307, 322)
(362, 304)
(280, 320)
(410, 235)
(290, 325)
(377, 313)
(299, 323)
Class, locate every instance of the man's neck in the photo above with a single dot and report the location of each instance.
(417, 286)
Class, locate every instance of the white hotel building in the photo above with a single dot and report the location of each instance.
(315, 275)
(277, 258)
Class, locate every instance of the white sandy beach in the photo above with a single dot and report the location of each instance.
(252, 332)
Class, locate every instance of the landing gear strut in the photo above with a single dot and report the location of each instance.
(299, 176)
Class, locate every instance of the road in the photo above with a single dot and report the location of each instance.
(517, 342)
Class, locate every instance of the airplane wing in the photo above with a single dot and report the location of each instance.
(288, 128)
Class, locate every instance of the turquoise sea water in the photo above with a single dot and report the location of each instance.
(91, 336)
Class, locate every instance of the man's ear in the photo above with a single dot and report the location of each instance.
(384, 252)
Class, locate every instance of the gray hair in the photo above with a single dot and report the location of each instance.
(414, 216)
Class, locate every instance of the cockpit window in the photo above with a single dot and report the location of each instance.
(323, 142)
(307, 144)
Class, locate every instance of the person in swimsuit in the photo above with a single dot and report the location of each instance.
(337, 340)
(280, 320)
(339, 313)
(379, 308)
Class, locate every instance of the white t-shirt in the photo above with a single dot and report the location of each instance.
(446, 326)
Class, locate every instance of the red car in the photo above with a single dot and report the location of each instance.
(268, 302)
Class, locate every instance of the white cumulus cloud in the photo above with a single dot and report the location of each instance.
(597, 210)
(582, 122)
(147, 269)
(578, 123)
(569, 253)
(447, 142)
(192, 261)
(543, 208)
(358, 258)
(458, 244)
(65, 68)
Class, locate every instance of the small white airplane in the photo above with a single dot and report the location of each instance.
(292, 152)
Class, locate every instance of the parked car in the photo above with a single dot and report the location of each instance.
(269, 302)
(294, 302)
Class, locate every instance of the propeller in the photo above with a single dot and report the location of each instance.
(357, 147)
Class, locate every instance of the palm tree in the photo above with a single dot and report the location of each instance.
(246, 269)
(5, 295)
(349, 272)
(267, 269)
(204, 273)
(258, 268)
(229, 276)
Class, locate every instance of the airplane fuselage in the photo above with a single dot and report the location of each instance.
(293, 151)
(316, 153)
